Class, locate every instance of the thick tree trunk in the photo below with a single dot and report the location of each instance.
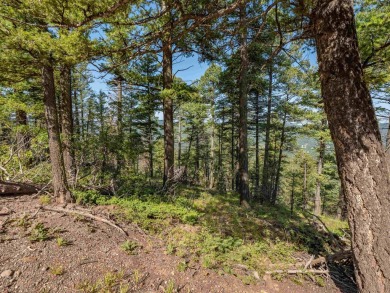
(362, 163)
(243, 176)
(60, 185)
(265, 192)
(67, 124)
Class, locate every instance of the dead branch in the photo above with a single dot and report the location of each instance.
(88, 215)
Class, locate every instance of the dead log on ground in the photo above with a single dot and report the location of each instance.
(13, 188)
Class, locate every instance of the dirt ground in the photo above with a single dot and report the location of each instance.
(94, 259)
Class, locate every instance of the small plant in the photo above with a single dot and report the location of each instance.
(182, 266)
(39, 233)
(44, 199)
(62, 242)
(110, 279)
(129, 246)
(111, 282)
(136, 277)
(171, 249)
(24, 222)
(170, 287)
(57, 270)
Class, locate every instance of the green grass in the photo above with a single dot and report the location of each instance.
(39, 233)
(215, 231)
(129, 246)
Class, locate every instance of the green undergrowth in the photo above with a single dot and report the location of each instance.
(215, 231)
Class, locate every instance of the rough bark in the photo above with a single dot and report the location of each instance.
(362, 163)
(243, 176)
(60, 186)
(67, 124)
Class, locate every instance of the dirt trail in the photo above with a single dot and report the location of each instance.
(94, 253)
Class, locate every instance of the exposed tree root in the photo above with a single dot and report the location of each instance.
(294, 272)
(88, 215)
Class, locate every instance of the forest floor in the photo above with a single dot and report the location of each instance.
(50, 251)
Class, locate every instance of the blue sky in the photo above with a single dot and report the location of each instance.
(187, 68)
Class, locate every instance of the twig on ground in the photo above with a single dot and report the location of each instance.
(309, 262)
(33, 216)
(88, 215)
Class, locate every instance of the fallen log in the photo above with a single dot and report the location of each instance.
(14, 188)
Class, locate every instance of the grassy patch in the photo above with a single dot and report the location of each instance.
(215, 231)
(129, 246)
(39, 233)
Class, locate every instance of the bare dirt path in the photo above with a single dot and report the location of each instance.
(93, 260)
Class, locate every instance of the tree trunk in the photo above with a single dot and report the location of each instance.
(362, 163)
(169, 147)
(150, 146)
(67, 124)
(257, 148)
(22, 137)
(76, 113)
(232, 154)
(320, 163)
(279, 163)
(221, 177)
(304, 189)
(341, 207)
(292, 195)
(243, 188)
(265, 193)
(60, 186)
(388, 139)
(212, 144)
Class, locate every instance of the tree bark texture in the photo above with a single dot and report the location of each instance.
(60, 186)
(67, 124)
(361, 157)
(243, 176)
